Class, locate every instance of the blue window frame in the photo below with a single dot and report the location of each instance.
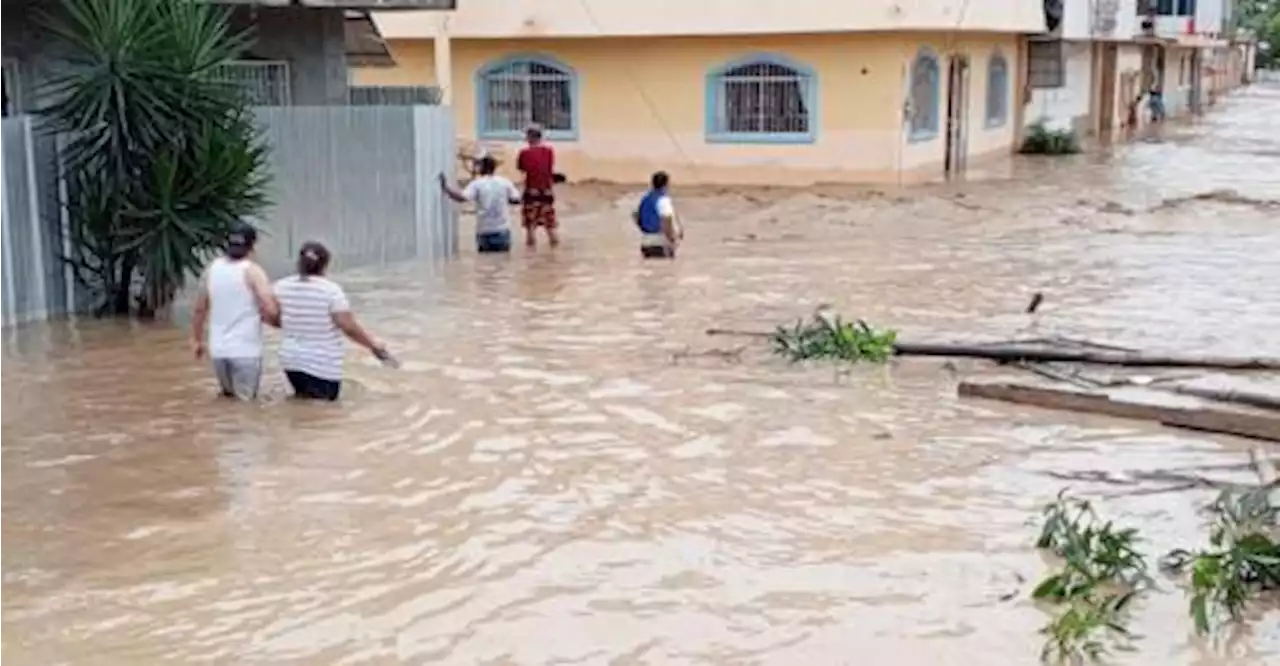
(519, 90)
(997, 90)
(761, 99)
(925, 96)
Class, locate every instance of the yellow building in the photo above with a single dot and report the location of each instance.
(771, 91)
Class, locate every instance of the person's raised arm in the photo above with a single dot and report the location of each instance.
(268, 304)
(200, 316)
(452, 192)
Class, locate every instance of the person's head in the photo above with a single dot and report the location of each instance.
(241, 240)
(660, 180)
(313, 259)
(487, 166)
(533, 134)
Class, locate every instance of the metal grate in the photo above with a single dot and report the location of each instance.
(523, 92)
(762, 98)
(997, 91)
(263, 82)
(12, 88)
(1045, 66)
(924, 100)
(394, 95)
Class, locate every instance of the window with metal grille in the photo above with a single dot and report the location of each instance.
(997, 90)
(1045, 67)
(925, 97)
(518, 92)
(763, 99)
(12, 88)
(263, 82)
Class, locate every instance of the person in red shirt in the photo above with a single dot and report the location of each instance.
(537, 161)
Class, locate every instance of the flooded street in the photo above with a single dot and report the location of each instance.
(557, 475)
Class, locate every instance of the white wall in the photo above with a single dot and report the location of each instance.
(1087, 19)
(1210, 16)
(1059, 107)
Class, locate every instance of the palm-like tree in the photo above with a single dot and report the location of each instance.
(161, 157)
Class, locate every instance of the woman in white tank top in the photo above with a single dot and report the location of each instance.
(314, 317)
(233, 300)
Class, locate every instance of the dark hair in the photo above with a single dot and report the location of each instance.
(660, 180)
(486, 165)
(533, 133)
(241, 240)
(313, 259)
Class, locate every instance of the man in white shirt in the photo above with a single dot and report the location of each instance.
(233, 300)
(492, 195)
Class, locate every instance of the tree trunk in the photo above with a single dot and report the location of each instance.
(123, 287)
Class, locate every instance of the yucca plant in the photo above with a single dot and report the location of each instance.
(160, 156)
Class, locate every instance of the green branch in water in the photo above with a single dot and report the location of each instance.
(1101, 573)
(1243, 559)
(824, 337)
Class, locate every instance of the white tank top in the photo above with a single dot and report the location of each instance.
(235, 324)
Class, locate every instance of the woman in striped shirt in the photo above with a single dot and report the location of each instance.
(314, 315)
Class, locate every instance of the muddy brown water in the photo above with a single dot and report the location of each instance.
(557, 476)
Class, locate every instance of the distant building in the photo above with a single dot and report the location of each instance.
(787, 91)
(1096, 66)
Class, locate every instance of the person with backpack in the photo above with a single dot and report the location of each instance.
(660, 231)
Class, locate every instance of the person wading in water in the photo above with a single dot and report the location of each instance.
(660, 233)
(491, 194)
(314, 315)
(233, 300)
(537, 161)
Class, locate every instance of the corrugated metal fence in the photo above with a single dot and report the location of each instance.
(359, 179)
(35, 280)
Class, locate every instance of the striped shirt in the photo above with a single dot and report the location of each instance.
(310, 340)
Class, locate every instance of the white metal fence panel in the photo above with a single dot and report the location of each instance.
(353, 179)
(24, 258)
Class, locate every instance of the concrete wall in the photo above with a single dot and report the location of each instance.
(642, 104)
(575, 18)
(311, 40)
(1069, 106)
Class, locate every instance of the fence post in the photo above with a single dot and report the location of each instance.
(37, 221)
(6, 246)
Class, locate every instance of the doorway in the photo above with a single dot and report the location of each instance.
(957, 114)
(1107, 89)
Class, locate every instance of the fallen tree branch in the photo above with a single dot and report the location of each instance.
(1251, 398)
(1008, 353)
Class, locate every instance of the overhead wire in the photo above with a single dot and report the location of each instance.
(654, 109)
(952, 38)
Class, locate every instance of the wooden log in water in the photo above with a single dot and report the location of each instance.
(1252, 398)
(1224, 420)
(1104, 357)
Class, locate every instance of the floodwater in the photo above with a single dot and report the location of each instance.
(564, 472)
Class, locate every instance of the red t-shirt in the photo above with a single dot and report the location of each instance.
(538, 164)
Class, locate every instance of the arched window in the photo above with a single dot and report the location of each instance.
(761, 99)
(925, 96)
(520, 90)
(997, 90)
